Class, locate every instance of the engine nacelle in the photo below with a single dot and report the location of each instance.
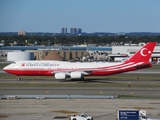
(76, 75)
(60, 76)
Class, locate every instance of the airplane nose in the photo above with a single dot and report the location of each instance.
(5, 68)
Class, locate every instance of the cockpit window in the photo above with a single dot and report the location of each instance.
(13, 62)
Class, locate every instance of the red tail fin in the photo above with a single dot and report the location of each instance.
(143, 54)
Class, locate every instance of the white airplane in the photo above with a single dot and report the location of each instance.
(77, 70)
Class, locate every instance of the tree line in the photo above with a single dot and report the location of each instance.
(75, 40)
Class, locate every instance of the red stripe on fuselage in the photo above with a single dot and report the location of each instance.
(96, 71)
(30, 72)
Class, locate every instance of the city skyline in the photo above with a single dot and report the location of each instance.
(73, 30)
(91, 15)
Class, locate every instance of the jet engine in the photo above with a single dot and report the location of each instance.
(76, 75)
(60, 76)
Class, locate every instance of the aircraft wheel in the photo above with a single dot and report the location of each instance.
(18, 79)
(82, 78)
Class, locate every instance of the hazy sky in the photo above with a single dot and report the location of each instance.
(90, 15)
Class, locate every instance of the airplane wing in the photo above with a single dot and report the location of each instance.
(74, 74)
(84, 72)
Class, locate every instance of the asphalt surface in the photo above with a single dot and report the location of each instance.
(142, 92)
(57, 109)
(128, 89)
(60, 109)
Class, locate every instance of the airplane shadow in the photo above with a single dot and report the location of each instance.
(91, 80)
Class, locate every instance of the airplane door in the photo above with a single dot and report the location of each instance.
(19, 67)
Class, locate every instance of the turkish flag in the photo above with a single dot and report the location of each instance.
(23, 64)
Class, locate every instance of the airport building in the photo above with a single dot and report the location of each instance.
(59, 54)
(82, 53)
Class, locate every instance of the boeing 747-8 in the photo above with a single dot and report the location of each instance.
(77, 70)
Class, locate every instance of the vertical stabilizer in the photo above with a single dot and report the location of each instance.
(144, 54)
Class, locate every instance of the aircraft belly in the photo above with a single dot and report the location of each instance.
(111, 71)
(30, 72)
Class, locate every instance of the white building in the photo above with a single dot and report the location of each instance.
(130, 50)
(17, 56)
(21, 32)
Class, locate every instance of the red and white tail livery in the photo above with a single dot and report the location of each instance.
(77, 70)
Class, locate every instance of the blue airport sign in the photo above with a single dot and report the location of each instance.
(128, 115)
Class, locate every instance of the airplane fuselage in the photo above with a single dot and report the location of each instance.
(49, 68)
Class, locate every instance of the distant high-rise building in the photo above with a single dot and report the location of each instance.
(21, 32)
(64, 30)
(79, 30)
(73, 30)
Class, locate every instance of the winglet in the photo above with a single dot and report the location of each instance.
(143, 54)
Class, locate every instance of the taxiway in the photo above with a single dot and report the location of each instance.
(100, 109)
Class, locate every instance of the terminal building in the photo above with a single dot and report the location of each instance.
(80, 53)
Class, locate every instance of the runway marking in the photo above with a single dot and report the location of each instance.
(32, 82)
(129, 82)
(100, 92)
(131, 93)
(150, 88)
(122, 88)
(47, 92)
(153, 83)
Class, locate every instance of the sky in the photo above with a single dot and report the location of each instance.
(90, 15)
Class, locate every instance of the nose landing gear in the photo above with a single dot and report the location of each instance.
(18, 78)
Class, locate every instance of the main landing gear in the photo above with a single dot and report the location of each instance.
(82, 78)
(78, 79)
(18, 78)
